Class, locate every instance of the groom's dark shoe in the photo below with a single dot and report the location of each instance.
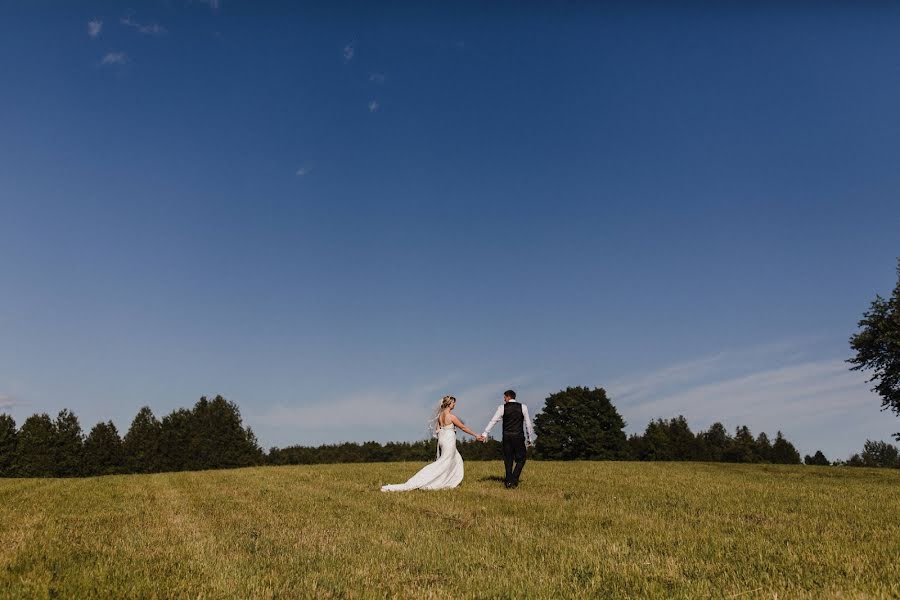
(513, 485)
(507, 485)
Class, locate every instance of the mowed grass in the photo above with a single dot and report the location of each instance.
(586, 529)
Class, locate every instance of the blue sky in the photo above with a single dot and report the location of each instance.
(335, 216)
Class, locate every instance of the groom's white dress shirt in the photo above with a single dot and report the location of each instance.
(529, 430)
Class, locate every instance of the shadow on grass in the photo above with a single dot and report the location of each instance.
(496, 478)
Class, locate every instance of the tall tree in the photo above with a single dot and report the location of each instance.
(742, 448)
(35, 451)
(682, 440)
(103, 450)
(174, 440)
(877, 347)
(219, 439)
(654, 444)
(716, 442)
(580, 423)
(8, 440)
(68, 445)
(783, 452)
(764, 452)
(141, 444)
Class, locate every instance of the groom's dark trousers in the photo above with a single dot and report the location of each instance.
(513, 451)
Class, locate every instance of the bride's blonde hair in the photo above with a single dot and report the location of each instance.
(446, 401)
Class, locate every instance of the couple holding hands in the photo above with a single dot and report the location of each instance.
(447, 471)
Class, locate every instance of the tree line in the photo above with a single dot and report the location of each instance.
(601, 435)
(582, 423)
(208, 436)
(575, 424)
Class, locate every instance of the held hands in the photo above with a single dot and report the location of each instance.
(480, 438)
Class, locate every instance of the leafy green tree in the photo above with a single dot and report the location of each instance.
(783, 452)
(816, 459)
(103, 453)
(8, 441)
(880, 454)
(877, 347)
(141, 444)
(35, 448)
(716, 442)
(68, 445)
(580, 423)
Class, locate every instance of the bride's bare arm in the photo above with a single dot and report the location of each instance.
(455, 420)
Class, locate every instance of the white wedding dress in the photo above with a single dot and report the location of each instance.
(444, 473)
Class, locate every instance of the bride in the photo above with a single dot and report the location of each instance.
(447, 471)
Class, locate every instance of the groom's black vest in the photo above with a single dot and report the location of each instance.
(513, 420)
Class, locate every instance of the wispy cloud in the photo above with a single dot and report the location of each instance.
(6, 402)
(389, 415)
(349, 51)
(147, 29)
(94, 27)
(781, 394)
(377, 78)
(648, 384)
(303, 171)
(374, 106)
(114, 58)
(661, 381)
(213, 4)
(817, 402)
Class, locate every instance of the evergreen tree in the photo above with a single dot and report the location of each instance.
(716, 442)
(141, 445)
(233, 444)
(218, 439)
(201, 437)
(580, 423)
(634, 446)
(817, 459)
(35, 448)
(68, 445)
(783, 452)
(655, 443)
(175, 437)
(8, 441)
(742, 448)
(764, 451)
(682, 441)
(103, 450)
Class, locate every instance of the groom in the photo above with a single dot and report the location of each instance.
(517, 434)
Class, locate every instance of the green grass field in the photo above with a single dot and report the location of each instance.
(605, 529)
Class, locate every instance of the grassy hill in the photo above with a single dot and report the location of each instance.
(607, 529)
